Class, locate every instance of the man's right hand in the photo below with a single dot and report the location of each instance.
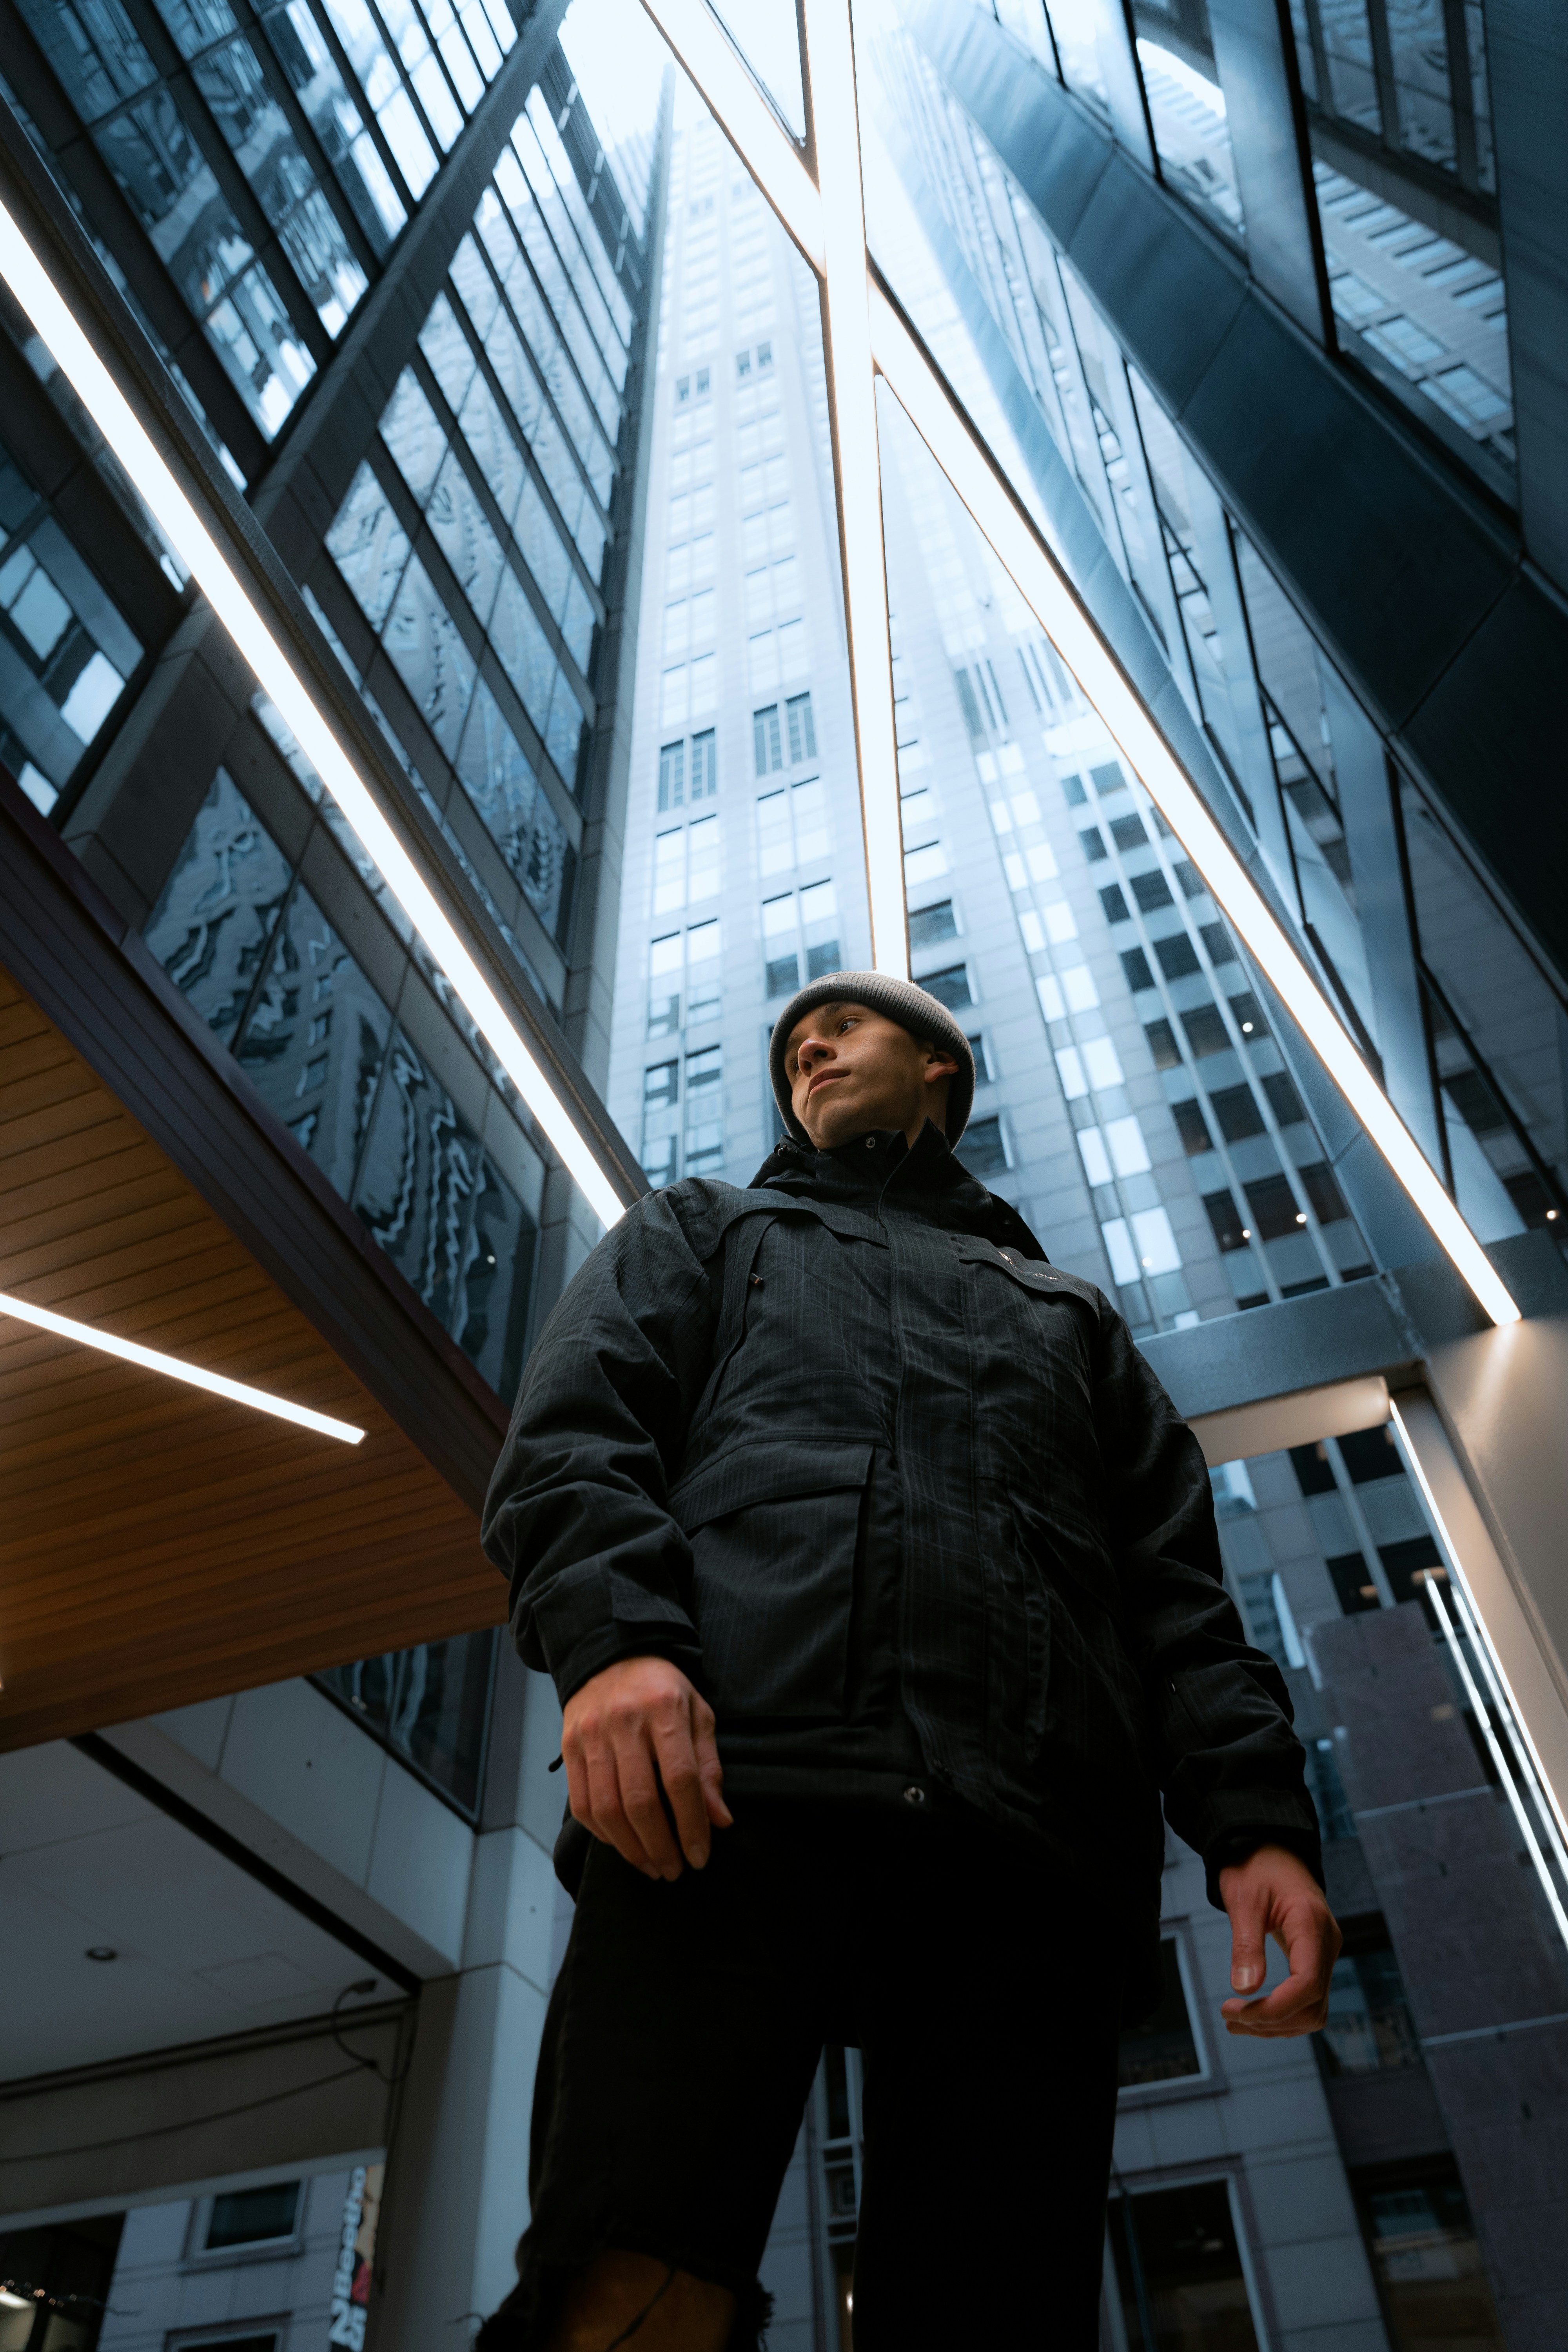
(633, 1726)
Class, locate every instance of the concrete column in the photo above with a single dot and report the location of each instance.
(1485, 1974)
(457, 2190)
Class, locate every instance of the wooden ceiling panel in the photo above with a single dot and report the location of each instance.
(159, 1545)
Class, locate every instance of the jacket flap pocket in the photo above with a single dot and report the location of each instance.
(1029, 1272)
(765, 1474)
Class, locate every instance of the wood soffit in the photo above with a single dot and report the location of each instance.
(160, 1546)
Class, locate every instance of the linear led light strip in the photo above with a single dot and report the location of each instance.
(275, 673)
(704, 51)
(153, 1361)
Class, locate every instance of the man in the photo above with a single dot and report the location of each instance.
(881, 1585)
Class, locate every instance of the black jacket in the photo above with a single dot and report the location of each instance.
(905, 1503)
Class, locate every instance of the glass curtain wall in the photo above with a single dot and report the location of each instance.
(1284, 728)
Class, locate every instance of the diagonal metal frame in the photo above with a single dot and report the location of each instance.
(824, 217)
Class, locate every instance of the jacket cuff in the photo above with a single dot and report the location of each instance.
(606, 1645)
(1237, 1846)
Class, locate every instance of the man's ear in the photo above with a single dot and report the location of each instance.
(939, 1066)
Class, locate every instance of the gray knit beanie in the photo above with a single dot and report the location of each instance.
(924, 1016)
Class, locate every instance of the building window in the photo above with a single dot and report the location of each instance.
(819, 921)
(704, 766)
(1174, 2251)
(743, 365)
(930, 924)
(1164, 2048)
(671, 776)
(767, 741)
(660, 1084)
(780, 945)
(704, 971)
(1369, 2029)
(802, 730)
(983, 1147)
(252, 2217)
(1422, 2241)
(949, 986)
(65, 650)
(1191, 1127)
(658, 1159)
(1135, 967)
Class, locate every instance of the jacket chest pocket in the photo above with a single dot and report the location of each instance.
(774, 1532)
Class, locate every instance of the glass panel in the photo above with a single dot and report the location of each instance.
(1178, 2270)
(430, 655)
(315, 1040)
(1186, 110)
(384, 92)
(765, 32)
(617, 61)
(214, 924)
(1500, 1022)
(419, 1180)
(231, 80)
(1413, 275)
(297, 42)
(65, 648)
(516, 814)
(430, 1705)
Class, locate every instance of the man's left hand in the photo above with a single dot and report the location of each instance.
(1274, 1894)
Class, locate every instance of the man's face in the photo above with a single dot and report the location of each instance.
(851, 1070)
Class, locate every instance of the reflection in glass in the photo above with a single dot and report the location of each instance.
(1081, 31)
(1192, 137)
(431, 1705)
(303, 53)
(1370, 2028)
(1178, 2270)
(430, 656)
(516, 814)
(315, 1040)
(1426, 2257)
(1162, 2048)
(445, 1216)
(65, 648)
(213, 923)
(369, 546)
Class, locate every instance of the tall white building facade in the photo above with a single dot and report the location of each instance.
(1131, 1100)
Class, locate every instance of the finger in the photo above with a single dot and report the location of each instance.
(677, 1757)
(641, 1801)
(578, 1802)
(1293, 2006)
(1249, 1956)
(609, 1820)
(710, 1771)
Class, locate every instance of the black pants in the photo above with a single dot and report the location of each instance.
(686, 2026)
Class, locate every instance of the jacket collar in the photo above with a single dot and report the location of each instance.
(883, 1170)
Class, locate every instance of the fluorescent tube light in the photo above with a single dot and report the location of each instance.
(152, 1360)
(73, 351)
(852, 391)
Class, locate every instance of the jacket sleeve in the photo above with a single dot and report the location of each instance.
(577, 1510)
(1230, 1767)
